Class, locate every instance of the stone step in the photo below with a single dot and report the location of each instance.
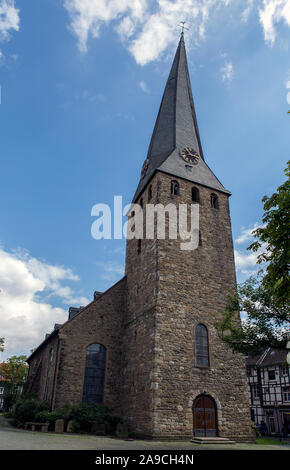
(211, 440)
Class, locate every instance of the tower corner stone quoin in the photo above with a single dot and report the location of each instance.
(161, 364)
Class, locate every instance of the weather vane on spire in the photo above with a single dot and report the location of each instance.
(183, 27)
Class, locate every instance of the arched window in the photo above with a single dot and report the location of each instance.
(174, 188)
(93, 391)
(201, 346)
(195, 195)
(214, 201)
(150, 193)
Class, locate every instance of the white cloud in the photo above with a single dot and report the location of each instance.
(111, 270)
(227, 72)
(272, 13)
(9, 20)
(146, 31)
(288, 94)
(143, 86)
(148, 28)
(246, 12)
(247, 234)
(246, 261)
(26, 284)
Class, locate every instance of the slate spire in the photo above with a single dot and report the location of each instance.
(176, 124)
(175, 129)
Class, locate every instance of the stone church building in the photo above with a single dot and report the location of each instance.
(148, 347)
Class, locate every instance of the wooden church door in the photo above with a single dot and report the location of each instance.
(204, 417)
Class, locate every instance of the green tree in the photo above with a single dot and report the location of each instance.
(14, 370)
(264, 298)
(274, 239)
(2, 343)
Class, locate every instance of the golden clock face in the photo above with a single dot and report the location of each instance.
(190, 155)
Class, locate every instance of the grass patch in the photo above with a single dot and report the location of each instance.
(264, 441)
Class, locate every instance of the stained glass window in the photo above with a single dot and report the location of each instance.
(93, 391)
(201, 345)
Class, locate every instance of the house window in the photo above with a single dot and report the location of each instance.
(284, 371)
(195, 195)
(174, 188)
(93, 391)
(214, 201)
(150, 193)
(255, 391)
(201, 346)
(141, 202)
(271, 375)
(286, 393)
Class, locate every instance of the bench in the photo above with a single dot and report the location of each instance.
(34, 426)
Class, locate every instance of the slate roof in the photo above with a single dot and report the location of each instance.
(269, 357)
(176, 128)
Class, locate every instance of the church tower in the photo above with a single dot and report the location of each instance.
(178, 378)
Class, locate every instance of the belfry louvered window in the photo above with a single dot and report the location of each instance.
(201, 346)
(174, 188)
(93, 391)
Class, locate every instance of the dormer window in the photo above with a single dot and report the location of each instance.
(174, 188)
(214, 201)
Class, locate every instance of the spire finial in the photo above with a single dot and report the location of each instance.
(183, 27)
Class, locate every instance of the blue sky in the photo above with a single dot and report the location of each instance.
(81, 83)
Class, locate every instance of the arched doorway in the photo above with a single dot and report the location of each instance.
(204, 417)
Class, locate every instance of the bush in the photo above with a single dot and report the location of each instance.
(88, 414)
(9, 401)
(26, 409)
(50, 417)
(76, 427)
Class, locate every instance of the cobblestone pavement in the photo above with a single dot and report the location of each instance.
(15, 439)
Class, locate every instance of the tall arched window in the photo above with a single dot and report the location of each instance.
(214, 202)
(93, 391)
(195, 195)
(201, 346)
(174, 188)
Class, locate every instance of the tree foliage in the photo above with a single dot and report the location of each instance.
(264, 326)
(2, 343)
(14, 370)
(264, 299)
(274, 238)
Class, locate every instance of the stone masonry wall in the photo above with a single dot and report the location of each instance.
(193, 288)
(99, 322)
(176, 290)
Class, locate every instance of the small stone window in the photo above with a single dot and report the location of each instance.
(174, 188)
(214, 202)
(195, 195)
(201, 346)
(141, 202)
(150, 193)
(93, 390)
(199, 238)
(139, 247)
